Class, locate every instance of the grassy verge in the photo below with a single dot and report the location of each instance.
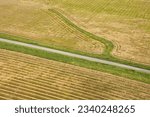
(143, 77)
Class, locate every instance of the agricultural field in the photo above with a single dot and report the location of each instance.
(33, 21)
(113, 30)
(125, 23)
(27, 77)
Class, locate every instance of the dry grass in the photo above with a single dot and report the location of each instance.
(28, 77)
(32, 20)
(126, 23)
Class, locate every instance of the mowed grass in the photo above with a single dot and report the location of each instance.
(124, 22)
(27, 77)
(33, 21)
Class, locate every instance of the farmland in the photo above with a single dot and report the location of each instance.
(125, 23)
(131, 74)
(107, 30)
(27, 77)
(37, 24)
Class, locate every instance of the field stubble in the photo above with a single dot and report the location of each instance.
(33, 21)
(28, 77)
(126, 23)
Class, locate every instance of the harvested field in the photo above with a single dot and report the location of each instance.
(33, 21)
(126, 23)
(28, 77)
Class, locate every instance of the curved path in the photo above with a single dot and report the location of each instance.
(75, 55)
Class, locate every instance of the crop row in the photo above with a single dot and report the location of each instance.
(124, 8)
(64, 31)
(51, 66)
(51, 80)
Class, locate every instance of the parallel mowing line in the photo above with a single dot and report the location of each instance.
(83, 79)
(67, 27)
(16, 86)
(11, 94)
(71, 29)
(36, 79)
(59, 23)
(46, 86)
(64, 73)
(17, 94)
(103, 7)
(33, 62)
(45, 65)
(48, 66)
(53, 66)
(4, 98)
(66, 76)
(46, 80)
(94, 90)
(27, 92)
(52, 69)
(78, 90)
(60, 76)
(108, 44)
(94, 84)
(55, 94)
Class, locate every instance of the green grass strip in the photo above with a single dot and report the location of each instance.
(131, 74)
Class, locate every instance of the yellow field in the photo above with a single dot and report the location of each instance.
(125, 22)
(28, 77)
(33, 20)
